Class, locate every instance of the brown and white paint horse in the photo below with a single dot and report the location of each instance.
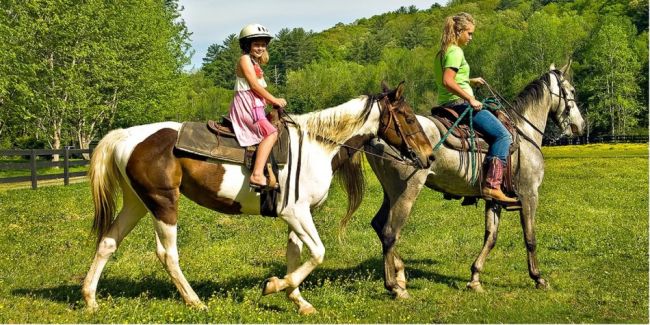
(552, 95)
(142, 163)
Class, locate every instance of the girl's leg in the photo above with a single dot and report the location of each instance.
(263, 152)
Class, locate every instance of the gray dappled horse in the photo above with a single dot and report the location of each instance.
(550, 95)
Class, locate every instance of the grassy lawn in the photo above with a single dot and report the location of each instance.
(592, 236)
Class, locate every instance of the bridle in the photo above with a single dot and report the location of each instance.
(563, 93)
(393, 123)
(563, 97)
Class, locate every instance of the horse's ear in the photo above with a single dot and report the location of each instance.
(566, 68)
(384, 86)
(399, 91)
(552, 67)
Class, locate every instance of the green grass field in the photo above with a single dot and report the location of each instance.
(592, 235)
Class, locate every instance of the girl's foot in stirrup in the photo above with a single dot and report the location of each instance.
(257, 181)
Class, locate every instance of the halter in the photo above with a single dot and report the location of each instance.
(383, 127)
(563, 93)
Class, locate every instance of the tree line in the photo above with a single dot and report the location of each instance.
(69, 72)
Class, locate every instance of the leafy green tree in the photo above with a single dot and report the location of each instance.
(415, 68)
(220, 61)
(367, 47)
(290, 50)
(79, 67)
(325, 84)
(203, 100)
(614, 70)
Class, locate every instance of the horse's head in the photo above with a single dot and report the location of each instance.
(565, 112)
(399, 127)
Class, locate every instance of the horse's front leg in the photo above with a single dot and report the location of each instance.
(301, 224)
(387, 223)
(527, 219)
(294, 249)
(492, 217)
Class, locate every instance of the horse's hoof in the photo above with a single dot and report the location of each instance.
(306, 310)
(401, 294)
(92, 307)
(542, 284)
(198, 305)
(475, 286)
(270, 285)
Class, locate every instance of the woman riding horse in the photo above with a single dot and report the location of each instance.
(551, 95)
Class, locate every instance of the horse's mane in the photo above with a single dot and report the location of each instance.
(336, 124)
(532, 94)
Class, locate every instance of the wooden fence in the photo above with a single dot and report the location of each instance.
(34, 164)
(597, 139)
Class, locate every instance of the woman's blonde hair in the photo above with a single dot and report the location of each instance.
(454, 25)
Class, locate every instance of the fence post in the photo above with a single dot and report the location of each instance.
(66, 166)
(32, 165)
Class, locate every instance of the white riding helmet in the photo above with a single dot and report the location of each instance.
(254, 31)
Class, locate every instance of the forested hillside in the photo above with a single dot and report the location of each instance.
(94, 68)
(515, 41)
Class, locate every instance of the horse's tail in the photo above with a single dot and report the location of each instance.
(105, 180)
(350, 174)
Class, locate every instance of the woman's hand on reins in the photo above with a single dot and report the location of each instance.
(476, 82)
(475, 104)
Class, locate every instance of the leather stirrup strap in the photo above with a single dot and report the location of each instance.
(272, 180)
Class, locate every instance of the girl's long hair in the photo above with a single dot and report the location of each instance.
(454, 25)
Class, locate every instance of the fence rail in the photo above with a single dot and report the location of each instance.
(597, 139)
(33, 165)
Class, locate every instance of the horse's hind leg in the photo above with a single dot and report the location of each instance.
(492, 216)
(132, 211)
(527, 219)
(294, 249)
(167, 251)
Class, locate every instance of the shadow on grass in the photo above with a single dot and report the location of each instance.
(162, 288)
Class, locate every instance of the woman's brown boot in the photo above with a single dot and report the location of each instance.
(491, 189)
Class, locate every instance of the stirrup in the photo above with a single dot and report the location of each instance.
(264, 187)
(485, 193)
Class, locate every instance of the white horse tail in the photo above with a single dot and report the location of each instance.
(105, 181)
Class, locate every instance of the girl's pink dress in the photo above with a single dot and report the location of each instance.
(247, 112)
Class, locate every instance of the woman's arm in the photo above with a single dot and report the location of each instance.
(247, 69)
(449, 81)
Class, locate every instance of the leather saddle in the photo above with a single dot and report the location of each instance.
(217, 140)
(459, 137)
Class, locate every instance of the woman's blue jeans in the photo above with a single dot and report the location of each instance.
(496, 135)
